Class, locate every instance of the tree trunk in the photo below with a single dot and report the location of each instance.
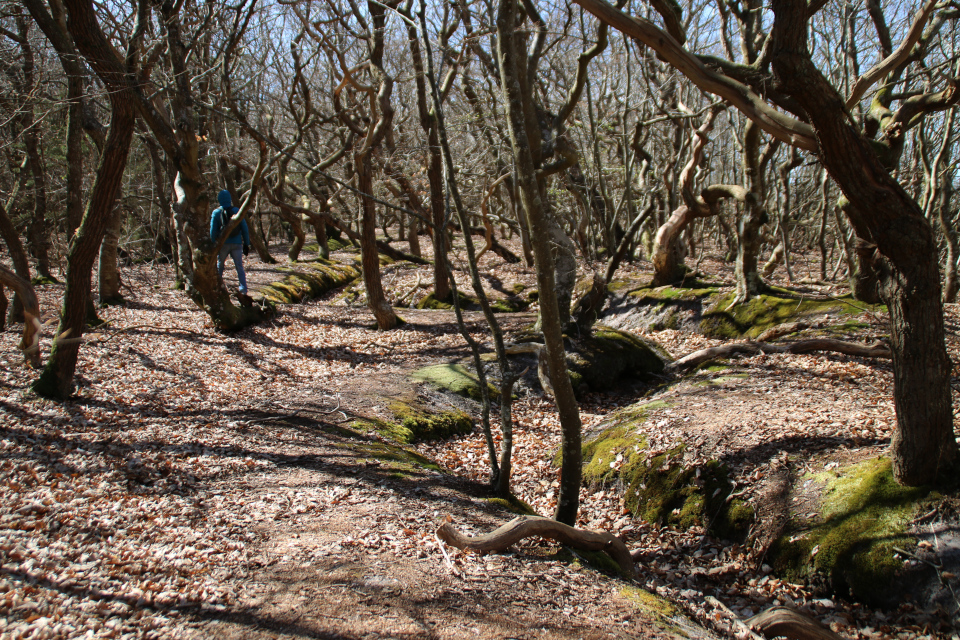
(924, 443)
(947, 219)
(108, 270)
(434, 165)
(746, 271)
(56, 381)
(18, 254)
(568, 502)
(376, 299)
(668, 253)
(30, 342)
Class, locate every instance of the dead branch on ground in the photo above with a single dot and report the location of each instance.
(788, 623)
(526, 527)
(689, 361)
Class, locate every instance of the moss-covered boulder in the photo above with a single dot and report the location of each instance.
(599, 361)
(309, 279)
(726, 320)
(455, 378)
(511, 304)
(645, 308)
(659, 486)
(414, 422)
(417, 424)
(850, 548)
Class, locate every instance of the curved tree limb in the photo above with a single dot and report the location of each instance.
(527, 527)
(488, 234)
(785, 622)
(891, 62)
(777, 124)
(877, 350)
(30, 343)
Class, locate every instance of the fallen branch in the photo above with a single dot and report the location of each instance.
(740, 624)
(789, 623)
(877, 350)
(526, 527)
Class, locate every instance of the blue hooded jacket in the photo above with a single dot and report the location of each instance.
(221, 216)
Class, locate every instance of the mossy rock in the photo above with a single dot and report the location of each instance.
(310, 279)
(416, 424)
(515, 505)
(599, 361)
(430, 301)
(454, 378)
(39, 281)
(498, 305)
(649, 603)
(726, 320)
(660, 487)
(864, 516)
(333, 244)
(657, 308)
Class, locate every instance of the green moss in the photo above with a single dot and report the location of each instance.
(311, 278)
(621, 437)
(649, 602)
(600, 561)
(38, 281)
(725, 320)
(721, 380)
(431, 302)
(417, 425)
(601, 359)
(672, 306)
(864, 515)
(694, 291)
(509, 305)
(518, 288)
(335, 244)
(661, 488)
(514, 505)
(498, 305)
(455, 378)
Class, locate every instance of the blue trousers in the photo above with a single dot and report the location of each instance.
(235, 251)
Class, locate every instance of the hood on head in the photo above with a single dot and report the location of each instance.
(224, 199)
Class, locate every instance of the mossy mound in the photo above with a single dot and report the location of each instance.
(499, 305)
(454, 378)
(656, 308)
(659, 486)
(514, 504)
(310, 279)
(416, 424)
(39, 281)
(725, 320)
(599, 361)
(333, 244)
(864, 516)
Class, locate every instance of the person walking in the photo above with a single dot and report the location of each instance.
(237, 244)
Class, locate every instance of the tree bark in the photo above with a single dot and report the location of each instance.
(568, 502)
(691, 360)
(923, 444)
(370, 257)
(108, 269)
(30, 342)
(56, 381)
(18, 254)
(527, 527)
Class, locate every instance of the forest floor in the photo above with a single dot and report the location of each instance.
(203, 485)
